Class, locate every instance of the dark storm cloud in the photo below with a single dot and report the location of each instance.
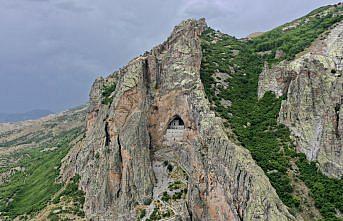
(52, 50)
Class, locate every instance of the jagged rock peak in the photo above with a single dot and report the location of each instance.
(151, 138)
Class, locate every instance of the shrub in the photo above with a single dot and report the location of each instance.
(255, 121)
(107, 92)
(165, 197)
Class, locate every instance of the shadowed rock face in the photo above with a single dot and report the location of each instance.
(124, 138)
(313, 108)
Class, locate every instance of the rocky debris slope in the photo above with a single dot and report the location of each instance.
(312, 85)
(130, 112)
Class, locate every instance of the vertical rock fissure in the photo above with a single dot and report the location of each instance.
(107, 135)
(120, 159)
(158, 74)
(150, 142)
(312, 93)
(337, 108)
(129, 169)
(288, 83)
(298, 102)
(189, 211)
(146, 75)
(119, 149)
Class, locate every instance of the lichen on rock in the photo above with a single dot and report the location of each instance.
(312, 85)
(127, 136)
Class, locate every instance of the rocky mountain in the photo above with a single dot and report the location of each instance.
(313, 86)
(202, 127)
(30, 115)
(121, 160)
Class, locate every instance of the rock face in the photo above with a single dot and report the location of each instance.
(119, 160)
(313, 108)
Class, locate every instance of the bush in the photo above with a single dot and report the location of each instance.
(142, 213)
(177, 196)
(165, 197)
(107, 92)
(255, 121)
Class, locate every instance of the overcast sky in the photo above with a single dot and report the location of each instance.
(52, 50)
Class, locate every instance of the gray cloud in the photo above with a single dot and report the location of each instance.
(52, 50)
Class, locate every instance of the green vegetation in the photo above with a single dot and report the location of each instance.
(176, 185)
(30, 190)
(298, 36)
(106, 93)
(72, 193)
(177, 195)
(255, 121)
(141, 214)
(26, 139)
(165, 197)
(155, 215)
(217, 57)
(53, 217)
(326, 192)
(158, 215)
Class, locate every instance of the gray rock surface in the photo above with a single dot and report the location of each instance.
(119, 158)
(313, 108)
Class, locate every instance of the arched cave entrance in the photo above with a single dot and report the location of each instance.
(176, 123)
(175, 130)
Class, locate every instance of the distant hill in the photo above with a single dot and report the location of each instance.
(204, 126)
(30, 115)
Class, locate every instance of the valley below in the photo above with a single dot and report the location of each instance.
(204, 126)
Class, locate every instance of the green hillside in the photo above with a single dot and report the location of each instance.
(30, 190)
(255, 121)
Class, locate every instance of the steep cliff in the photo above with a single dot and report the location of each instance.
(230, 73)
(129, 163)
(312, 84)
(205, 126)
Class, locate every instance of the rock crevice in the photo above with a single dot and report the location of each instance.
(312, 109)
(217, 179)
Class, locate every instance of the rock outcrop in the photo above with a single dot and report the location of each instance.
(312, 110)
(120, 158)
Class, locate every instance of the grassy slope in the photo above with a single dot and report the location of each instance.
(296, 39)
(255, 122)
(32, 189)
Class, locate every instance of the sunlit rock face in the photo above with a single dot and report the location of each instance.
(313, 109)
(134, 145)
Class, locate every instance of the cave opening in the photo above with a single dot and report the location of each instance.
(176, 123)
(175, 130)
